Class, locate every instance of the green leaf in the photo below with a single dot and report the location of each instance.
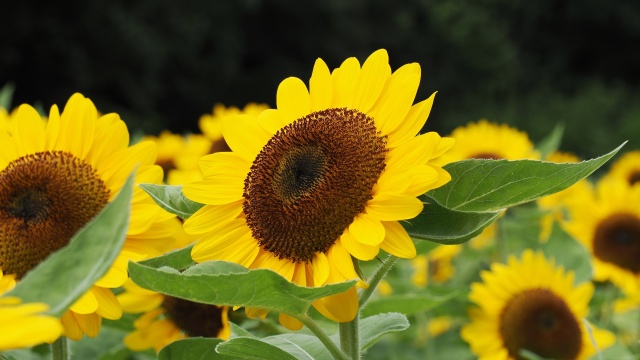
(252, 348)
(6, 95)
(372, 328)
(237, 331)
(192, 349)
(69, 272)
(177, 259)
(301, 346)
(444, 226)
(551, 142)
(171, 198)
(480, 185)
(225, 283)
(568, 253)
(406, 303)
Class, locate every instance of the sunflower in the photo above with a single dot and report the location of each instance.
(325, 176)
(627, 167)
(531, 304)
(178, 155)
(55, 177)
(166, 319)
(554, 205)
(435, 266)
(607, 222)
(211, 124)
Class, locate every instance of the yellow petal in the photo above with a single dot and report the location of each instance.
(52, 128)
(71, 327)
(29, 130)
(397, 242)
(289, 322)
(271, 120)
(320, 267)
(340, 258)
(320, 87)
(375, 72)
(341, 307)
(111, 136)
(217, 191)
(210, 217)
(268, 260)
(116, 169)
(244, 135)
(392, 207)
(344, 80)
(224, 163)
(396, 98)
(109, 307)
(367, 230)
(86, 304)
(293, 99)
(358, 249)
(413, 123)
(77, 126)
(89, 323)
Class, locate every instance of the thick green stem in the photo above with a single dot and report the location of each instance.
(60, 349)
(377, 276)
(350, 337)
(324, 338)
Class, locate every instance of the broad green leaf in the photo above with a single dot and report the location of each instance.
(481, 185)
(301, 346)
(406, 303)
(551, 142)
(252, 348)
(69, 272)
(225, 283)
(568, 253)
(177, 259)
(171, 198)
(374, 327)
(444, 226)
(196, 348)
(6, 95)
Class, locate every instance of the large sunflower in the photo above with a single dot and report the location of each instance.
(55, 177)
(166, 319)
(531, 304)
(325, 176)
(607, 222)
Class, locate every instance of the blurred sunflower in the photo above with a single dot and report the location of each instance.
(55, 177)
(325, 176)
(627, 167)
(26, 325)
(178, 155)
(166, 319)
(554, 206)
(434, 267)
(531, 304)
(211, 124)
(607, 222)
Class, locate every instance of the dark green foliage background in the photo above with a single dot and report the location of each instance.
(161, 64)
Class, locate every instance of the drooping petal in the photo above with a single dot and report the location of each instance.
(393, 207)
(367, 229)
(356, 248)
(397, 242)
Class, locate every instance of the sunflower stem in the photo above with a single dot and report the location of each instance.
(376, 277)
(60, 349)
(324, 338)
(350, 337)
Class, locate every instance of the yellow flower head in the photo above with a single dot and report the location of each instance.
(326, 175)
(607, 223)
(436, 266)
(166, 319)
(487, 140)
(55, 177)
(627, 167)
(531, 304)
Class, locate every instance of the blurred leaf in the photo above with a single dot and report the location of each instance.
(237, 331)
(301, 346)
(568, 253)
(480, 185)
(171, 198)
(225, 283)
(192, 349)
(406, 303)
(372, 328)
(551, 142)
(69, 272)
(177, 259)
(444, 226)
(252, 348)
(6, 95)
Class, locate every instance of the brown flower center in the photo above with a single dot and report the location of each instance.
(617, 241)
(310, 181)
(195, 319)
(634, 177)
(45, 198)
(540, 321)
